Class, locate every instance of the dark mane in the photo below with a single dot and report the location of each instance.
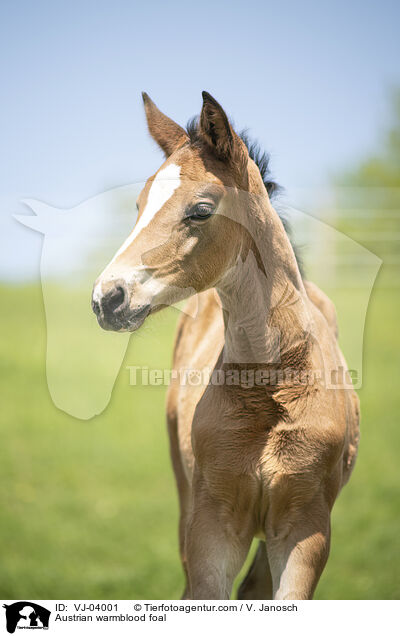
(260, 158)
(262, 161)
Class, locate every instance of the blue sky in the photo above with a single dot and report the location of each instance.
(311, 80)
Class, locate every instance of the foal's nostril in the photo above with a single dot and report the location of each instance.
(116, 298)
(113, 299)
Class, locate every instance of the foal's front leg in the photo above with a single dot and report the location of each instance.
(216, 545)
(298, 539)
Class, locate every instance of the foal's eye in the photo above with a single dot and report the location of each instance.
(201, 211)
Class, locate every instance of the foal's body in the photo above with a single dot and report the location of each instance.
(266, 460)
(244, 471)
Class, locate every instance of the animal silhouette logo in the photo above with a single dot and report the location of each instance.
(82, 361)
(26, 615)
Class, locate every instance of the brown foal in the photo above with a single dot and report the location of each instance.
(262, 449)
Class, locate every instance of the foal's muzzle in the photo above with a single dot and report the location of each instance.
(112, 306)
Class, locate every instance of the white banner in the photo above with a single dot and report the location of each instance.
(179, 617)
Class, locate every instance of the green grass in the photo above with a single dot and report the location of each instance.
(89, 508)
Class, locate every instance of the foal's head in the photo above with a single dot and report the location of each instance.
(190, 226)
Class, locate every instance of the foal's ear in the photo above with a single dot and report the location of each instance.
(164, 130)
(217, 131)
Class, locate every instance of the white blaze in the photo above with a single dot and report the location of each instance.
(162, 189)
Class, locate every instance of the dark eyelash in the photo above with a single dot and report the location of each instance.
(201, 211)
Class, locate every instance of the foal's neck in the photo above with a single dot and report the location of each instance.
(263, 297)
